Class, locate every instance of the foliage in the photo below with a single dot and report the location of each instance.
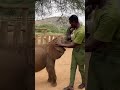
(50, 28)
(42, 7)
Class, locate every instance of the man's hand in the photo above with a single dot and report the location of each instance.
(68, 33)
(59, 43)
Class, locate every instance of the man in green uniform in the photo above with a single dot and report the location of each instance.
(78, 54)
(104, 66)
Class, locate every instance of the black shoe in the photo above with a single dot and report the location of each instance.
(81, 86)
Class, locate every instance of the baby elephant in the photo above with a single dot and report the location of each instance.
(45, 56)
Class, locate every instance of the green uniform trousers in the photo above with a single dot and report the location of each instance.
(78, 59)
(104, 70)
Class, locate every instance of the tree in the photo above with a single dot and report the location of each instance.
(43, 7)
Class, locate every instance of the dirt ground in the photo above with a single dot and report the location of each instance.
(62, 72)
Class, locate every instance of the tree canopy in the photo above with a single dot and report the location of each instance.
(43, 7)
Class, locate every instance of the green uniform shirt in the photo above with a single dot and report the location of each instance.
(78, 35)
(105, 60)
(107, 20)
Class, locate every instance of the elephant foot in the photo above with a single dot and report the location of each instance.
(54, 84)
(49, 80)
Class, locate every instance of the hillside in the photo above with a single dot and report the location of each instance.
(52, 24)
(57, 21)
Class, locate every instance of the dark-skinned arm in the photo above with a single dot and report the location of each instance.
(68, 33)
(91, 44)
(68, 45)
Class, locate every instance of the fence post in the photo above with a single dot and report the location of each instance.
(47, 38)
(42, 39)
(36, 39)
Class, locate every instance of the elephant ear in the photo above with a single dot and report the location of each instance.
(54, 51)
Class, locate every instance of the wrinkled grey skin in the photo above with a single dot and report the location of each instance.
(45, 56)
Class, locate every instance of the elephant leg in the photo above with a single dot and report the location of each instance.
(49, 76)
(51, 73)
(54, 78)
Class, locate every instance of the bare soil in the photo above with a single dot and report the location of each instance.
(63, 73)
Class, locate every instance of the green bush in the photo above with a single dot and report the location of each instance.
(63, 30)
(49, 27)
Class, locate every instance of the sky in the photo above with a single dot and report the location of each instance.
(55, 12)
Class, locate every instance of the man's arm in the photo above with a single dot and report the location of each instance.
(68, 45)
(91, 44)
(68, 34)
(104, 33)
